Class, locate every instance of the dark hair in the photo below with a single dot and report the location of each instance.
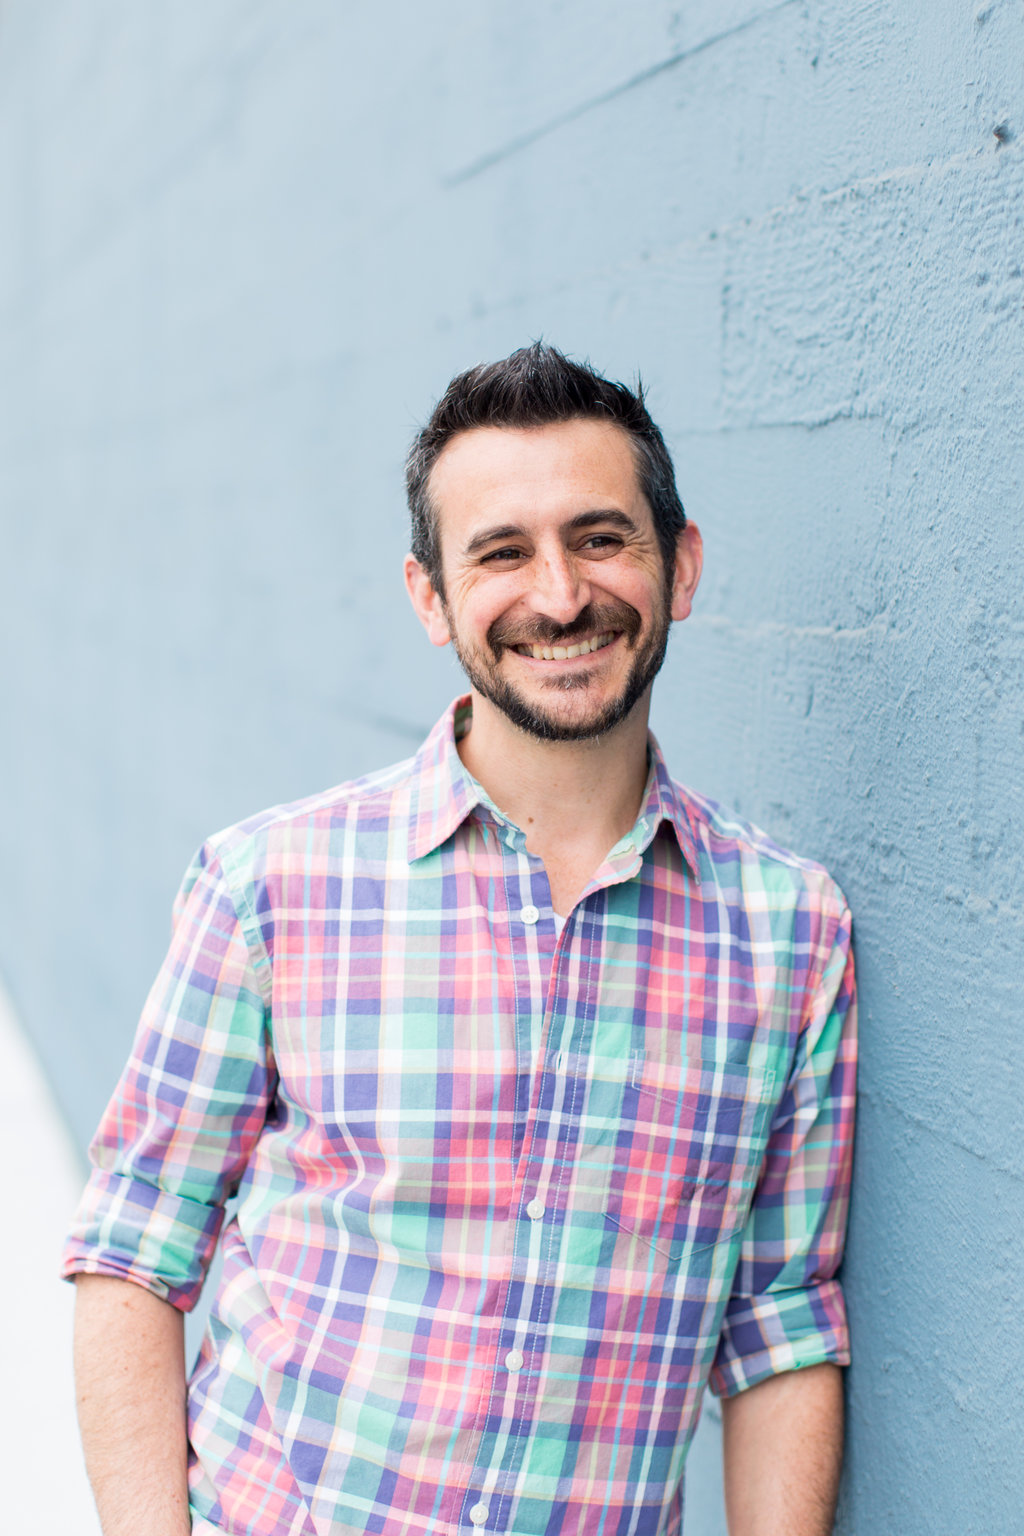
(535, 387)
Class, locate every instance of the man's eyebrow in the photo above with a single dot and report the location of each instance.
(487, 536)
(605, 516)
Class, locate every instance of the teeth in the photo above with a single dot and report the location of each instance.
(564, 652)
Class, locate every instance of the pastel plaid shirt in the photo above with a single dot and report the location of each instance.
(505, 1198)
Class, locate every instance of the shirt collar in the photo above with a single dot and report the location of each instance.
(666, 801)
(444, 793)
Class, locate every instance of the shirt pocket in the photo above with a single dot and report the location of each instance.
(688, 1153)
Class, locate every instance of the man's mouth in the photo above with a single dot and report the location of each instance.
(565, 652)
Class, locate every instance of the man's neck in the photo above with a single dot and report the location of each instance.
(573, 799)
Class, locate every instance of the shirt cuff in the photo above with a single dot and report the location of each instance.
(130, 1229)
(780, 1331)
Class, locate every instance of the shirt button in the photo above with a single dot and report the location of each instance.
(529, 914)
(535, 1210)
(478, 1514)
(514, 1360)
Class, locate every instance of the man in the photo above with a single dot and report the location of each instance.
(531, 1070)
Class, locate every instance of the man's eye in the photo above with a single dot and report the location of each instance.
(499, 556)
(603, 541)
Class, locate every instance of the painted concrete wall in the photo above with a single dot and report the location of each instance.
(242, 247)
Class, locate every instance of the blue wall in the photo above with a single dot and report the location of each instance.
(243, 247)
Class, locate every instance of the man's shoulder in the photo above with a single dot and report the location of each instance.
(374, 803)
(740, 852)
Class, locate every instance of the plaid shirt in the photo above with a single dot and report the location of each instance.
(505, 1198)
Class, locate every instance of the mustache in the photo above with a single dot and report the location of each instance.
(595, 618)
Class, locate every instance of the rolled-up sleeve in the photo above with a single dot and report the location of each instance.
(786, 1309)
(175, 1138)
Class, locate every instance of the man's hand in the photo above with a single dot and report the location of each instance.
(783, 1454)
(130, 1383)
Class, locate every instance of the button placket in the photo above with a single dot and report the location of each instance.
(527, 898)
(511, 1385)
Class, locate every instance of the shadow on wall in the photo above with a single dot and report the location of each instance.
(40, 1181)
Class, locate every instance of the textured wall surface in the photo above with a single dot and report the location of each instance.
(242, 247)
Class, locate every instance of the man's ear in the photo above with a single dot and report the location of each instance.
(426, 601)
(689, 562)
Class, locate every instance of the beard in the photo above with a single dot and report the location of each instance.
(481, 667)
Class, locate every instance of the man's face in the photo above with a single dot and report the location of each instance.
(557, 598)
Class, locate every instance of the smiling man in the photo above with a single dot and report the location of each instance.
(531, 1070)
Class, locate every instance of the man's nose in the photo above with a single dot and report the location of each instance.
(560, 590)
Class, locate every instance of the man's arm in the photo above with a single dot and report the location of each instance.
(783, 1444)
(785, 1335)
(170, 1150)
(130, 1384)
